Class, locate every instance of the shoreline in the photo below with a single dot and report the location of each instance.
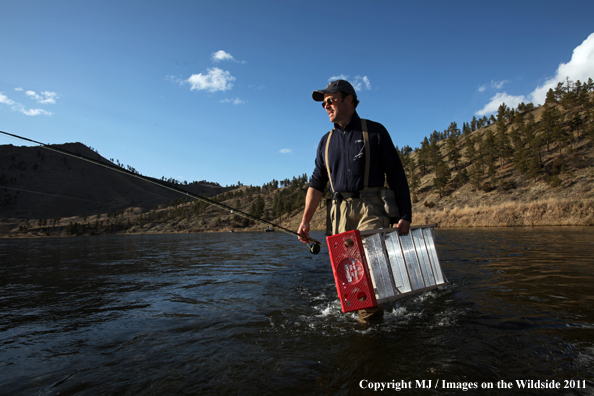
(539, 213)
(38, 236)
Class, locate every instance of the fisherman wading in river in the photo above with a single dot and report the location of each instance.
(367, 180)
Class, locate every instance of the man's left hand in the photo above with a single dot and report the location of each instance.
(403, 227)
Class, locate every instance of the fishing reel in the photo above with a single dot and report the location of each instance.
(315, 247)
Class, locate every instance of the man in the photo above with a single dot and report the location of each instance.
(356, 171)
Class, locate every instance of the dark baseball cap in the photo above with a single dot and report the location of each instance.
(334, 86)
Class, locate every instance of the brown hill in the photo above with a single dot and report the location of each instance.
(38, 183)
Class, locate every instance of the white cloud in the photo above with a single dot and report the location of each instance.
(174, 79)
(35, 112)
(4, 100)
(43, 98)
(509, 100)
(235, 101)
(221, 55)
(359, 83)
(362, 83)
(341, 77)
(494, 84)
(580, 67)
(29, 112)
(285, 151)
(215, 80)
(498, 84)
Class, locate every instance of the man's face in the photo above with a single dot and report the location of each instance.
(337, 110)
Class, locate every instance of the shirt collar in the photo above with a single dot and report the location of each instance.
(354, 124)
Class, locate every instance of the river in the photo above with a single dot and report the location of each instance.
(257, 314)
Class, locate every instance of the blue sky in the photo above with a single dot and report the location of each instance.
(221, 90)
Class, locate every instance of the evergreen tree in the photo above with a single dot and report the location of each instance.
(470, 149)
(549, 122)
(474, 124)
(414, 181)
(434, 155)
(504, 150)
(259, 206)
(453, 151)
(479, 158)
(453, 130)
(442, 177)
(520, 157)
(423, 156)
(550, 98)
(475, 176)
(488, 151)
(534, 143)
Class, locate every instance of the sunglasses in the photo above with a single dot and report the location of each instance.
(329, 102)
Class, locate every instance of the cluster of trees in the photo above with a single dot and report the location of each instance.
(516, 138)
(286, 200)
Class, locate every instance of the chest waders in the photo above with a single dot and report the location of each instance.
(338, 197)
(387, 195)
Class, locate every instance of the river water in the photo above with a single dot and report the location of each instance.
(257, 314)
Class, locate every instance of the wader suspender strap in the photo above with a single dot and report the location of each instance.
(326, 159)
(329, 229)
(365, 180)
(367, 152)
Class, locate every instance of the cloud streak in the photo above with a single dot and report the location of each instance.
(494, 84)
(235, 101)
(45, 97)
(359, 82)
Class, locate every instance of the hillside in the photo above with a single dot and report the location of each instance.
(521, 167)
(39, 183)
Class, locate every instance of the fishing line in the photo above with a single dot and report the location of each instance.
(51, 195)
(314, 246)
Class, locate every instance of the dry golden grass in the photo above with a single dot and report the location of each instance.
(545, 212)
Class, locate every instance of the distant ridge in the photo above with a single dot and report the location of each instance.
(40, 183)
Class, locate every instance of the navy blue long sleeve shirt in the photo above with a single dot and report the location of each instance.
(346, 156)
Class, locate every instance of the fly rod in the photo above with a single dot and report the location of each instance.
(314, 245)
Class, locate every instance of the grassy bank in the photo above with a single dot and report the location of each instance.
(545, 212)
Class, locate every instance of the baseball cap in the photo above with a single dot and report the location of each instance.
(334, 86)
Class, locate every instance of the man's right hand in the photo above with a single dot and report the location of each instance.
(303, 232)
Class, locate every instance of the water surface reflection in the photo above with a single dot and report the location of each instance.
(257, 314)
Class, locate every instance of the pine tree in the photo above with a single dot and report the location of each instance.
(549, 122)
(504, 150)
(423, 156)
(488, 149)
(442, 177)
(479, 157)
(453, 151)
(434, 155)
(534, 143)
(475, 176)
(414, 181)
(519, 150)
(470, 149)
